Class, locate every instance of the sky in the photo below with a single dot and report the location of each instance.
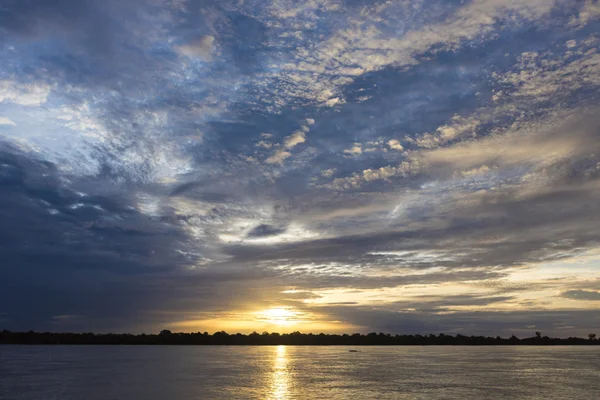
(315, 166)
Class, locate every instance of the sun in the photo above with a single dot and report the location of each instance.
(279, 316)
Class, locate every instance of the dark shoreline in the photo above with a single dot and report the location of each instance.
(274, 339)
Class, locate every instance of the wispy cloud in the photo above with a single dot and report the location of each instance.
(201, 48)
(7, 121)
(25, 94)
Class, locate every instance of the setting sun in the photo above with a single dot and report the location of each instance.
(279, 316)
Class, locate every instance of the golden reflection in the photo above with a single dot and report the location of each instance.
(280, 378)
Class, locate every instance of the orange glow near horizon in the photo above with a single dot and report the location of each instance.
(276, 319)
(279, 316)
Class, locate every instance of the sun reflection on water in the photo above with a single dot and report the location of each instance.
(280, 378)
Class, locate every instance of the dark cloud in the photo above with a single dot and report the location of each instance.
(247, 42)
(59, 245)
(29, 16)
(91, 36)
(520, 323)
(312, 278)
(265, 230)
(448, 302)
(581, 295)
(195, 190)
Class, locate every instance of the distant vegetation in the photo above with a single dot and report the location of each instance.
(296, 338)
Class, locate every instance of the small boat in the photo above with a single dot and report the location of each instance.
(353, 351)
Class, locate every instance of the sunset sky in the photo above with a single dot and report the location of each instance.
(315, 166)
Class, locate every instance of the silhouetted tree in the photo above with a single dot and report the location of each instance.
(295, 338)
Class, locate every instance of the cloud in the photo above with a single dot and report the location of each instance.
(265, 230)
(265, 145)
(289, 142)
(89, 240)
(540, 81)
(458, 128)
(356, 180)
(584, 295)
(475, 172)
(363, 43)
(395, 145)
(589, 11)
(278, 157)
(429, 302)
(355, 149)
(26, 94)
(7, 121)
(328, 173)
(539, 143)
(199, 48)
(484, 323)
(486, 222)
(333, 101)
(294, 139)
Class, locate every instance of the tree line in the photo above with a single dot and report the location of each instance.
(167, 337)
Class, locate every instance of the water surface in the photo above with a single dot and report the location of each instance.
(296, 372)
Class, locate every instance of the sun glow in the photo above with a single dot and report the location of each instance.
(279, 316)
(279, 319)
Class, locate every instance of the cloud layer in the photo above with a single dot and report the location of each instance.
(370, 165)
